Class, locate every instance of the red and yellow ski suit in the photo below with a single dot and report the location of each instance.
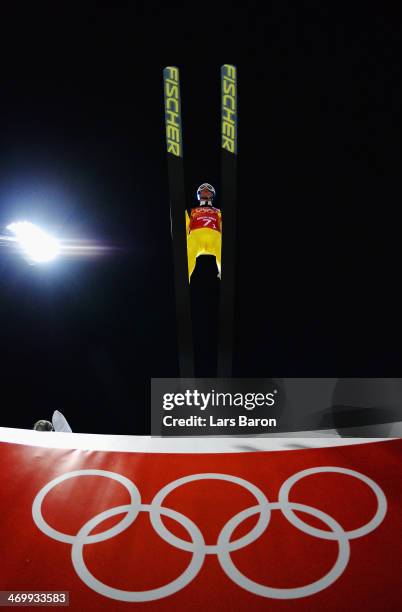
(204, 235)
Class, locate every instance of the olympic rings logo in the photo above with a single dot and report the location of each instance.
(224, 546)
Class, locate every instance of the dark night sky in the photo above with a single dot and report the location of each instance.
(82, 150)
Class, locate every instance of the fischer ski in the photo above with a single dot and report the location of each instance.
(229, 113)
(225, 257)
(174, 143)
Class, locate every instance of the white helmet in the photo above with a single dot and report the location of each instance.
(206, 187)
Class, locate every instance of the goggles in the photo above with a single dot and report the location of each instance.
(206, 186)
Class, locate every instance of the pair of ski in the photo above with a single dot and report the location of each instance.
(227, 202)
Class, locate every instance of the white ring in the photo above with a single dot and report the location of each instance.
(290, 593)
(321, 533)
(98, 537)
(169, 537)
(152, 594)
(197, 546)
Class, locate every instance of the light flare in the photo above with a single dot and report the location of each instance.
(39, 246)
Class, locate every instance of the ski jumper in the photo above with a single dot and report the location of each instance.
(204, 235)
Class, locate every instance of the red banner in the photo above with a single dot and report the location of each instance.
(308, 529)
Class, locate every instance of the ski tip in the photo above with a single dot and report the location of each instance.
(171, 72)
(229, 69)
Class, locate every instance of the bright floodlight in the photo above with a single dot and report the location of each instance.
(36, 243)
